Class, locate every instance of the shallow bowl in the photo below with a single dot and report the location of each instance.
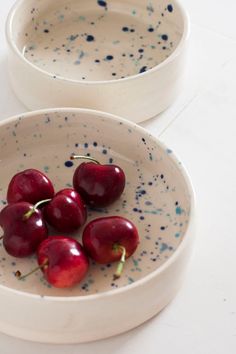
(158, 198)
(125, 58)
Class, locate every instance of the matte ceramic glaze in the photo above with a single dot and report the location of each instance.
(158, 199)
(124, 58)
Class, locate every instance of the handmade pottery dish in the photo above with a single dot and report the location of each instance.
(158, 199)
(125, 58)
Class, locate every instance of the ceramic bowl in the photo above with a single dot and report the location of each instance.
(125, 58)
(158, 198)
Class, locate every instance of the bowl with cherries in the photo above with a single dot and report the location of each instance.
(96, 225)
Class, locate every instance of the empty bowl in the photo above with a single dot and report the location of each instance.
(158, 199)
(125, 58)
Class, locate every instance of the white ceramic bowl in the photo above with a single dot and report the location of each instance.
(125, 58)
(158, 198)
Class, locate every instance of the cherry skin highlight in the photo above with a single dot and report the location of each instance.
(62, 261)
(29, 186)
(22, 235)
(66, 211)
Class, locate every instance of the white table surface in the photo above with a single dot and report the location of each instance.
(201, 128)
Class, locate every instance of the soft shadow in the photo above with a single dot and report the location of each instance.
(9, 104)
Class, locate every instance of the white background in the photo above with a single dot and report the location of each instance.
(201, 128)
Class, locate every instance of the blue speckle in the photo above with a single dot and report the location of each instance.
(90, 38)
(73, 37)
(86, 145)
(104, 151)
(163, 247)
(143, 69)
(69, 164)
(95, 144)
(109, 57)
(178, 211)
(169, 151)
(164, 37)
(162, 228)
(151, 29)
(177, 234)
(102, 3)
(61, 17)
(170, 8)
(125, 29)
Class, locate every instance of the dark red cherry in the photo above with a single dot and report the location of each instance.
(22, 233)
(29, 186)
(99, 185)
(66, 211)
(110, 239)
(63, 261)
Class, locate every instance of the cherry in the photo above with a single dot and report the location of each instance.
(62, 261)
(66, 212)
(110, 239)
(23, 228)
(29, 186)
(99, 185)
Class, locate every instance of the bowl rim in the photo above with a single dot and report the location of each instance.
(180, 47)
(168, 262)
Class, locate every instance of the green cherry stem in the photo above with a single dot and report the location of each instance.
(81, 157)
(35, 207)
(19, 276)
(120, 266)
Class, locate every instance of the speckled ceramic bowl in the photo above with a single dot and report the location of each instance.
(122, 57)
(158, 198)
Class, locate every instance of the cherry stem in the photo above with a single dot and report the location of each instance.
(81, 157)
(35, 207)
(19, 276)
(121, 264)
(1, 238)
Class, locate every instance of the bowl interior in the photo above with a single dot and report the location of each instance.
(96, 40)
(156, 197)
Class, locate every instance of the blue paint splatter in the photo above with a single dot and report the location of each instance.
(109, 57)
(90, 38)
(170, 8)
(178, 211)
(177, 234)
(163, 247)
(69, 164)
(164, 37)
(102, 3)
(143, 69)
(73, 37)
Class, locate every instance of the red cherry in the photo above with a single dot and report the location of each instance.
(63, 261)
(99, 185)
(110, 239)
(66, 212)
(29, 186)
(23, 228)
